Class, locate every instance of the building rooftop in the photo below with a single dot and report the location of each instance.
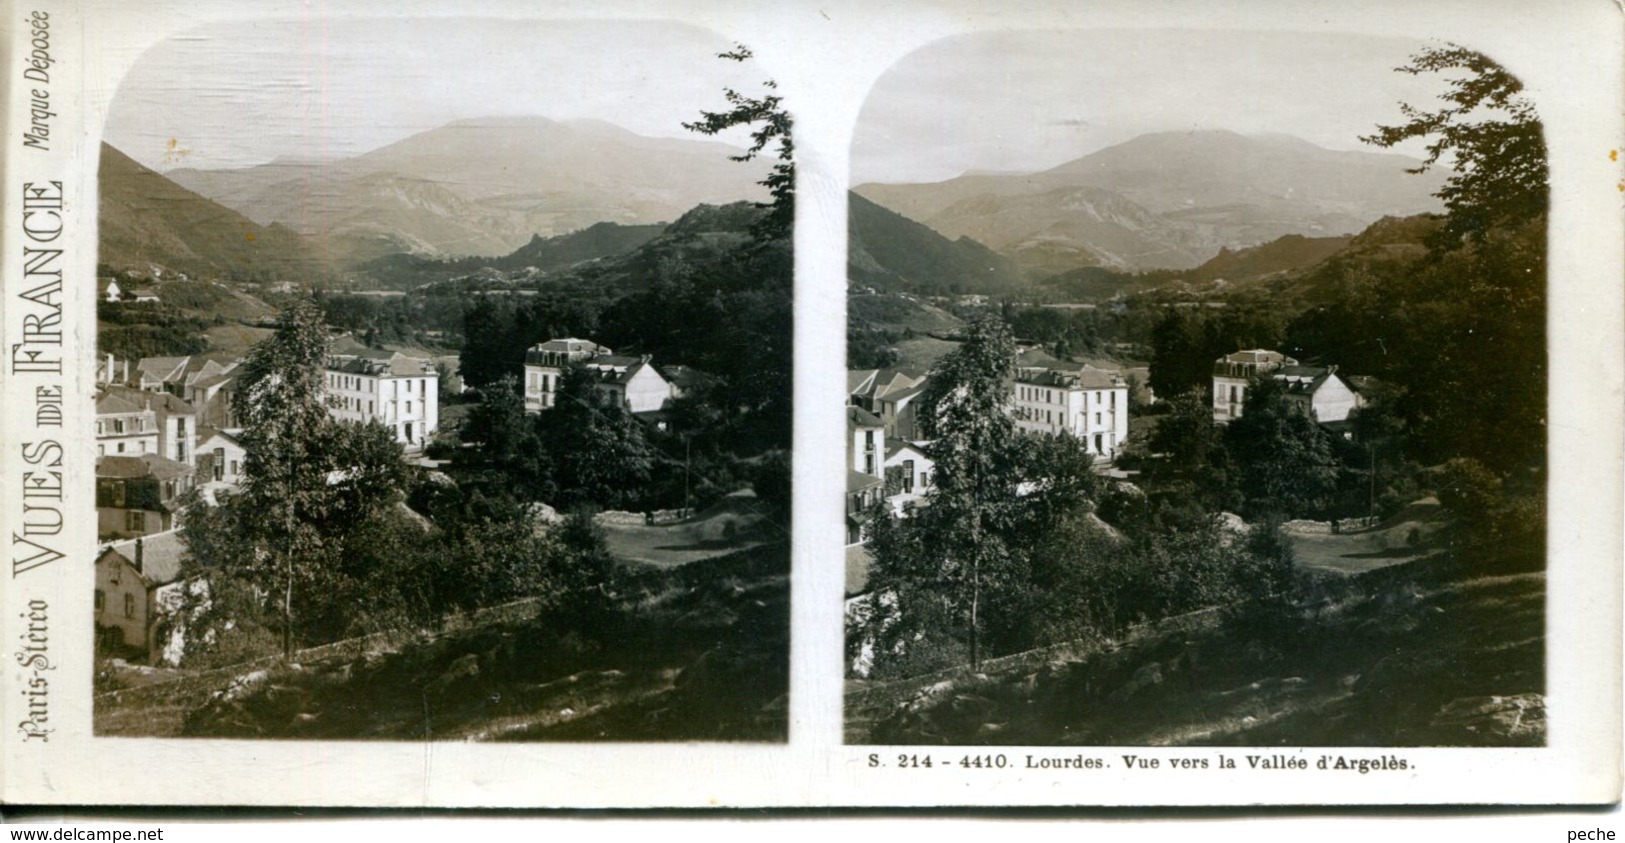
(858, 417)
(161, 368)
(204, 434)
(895, 446)
(113, 403)
(857, 481)
(121, 467)
(161, 556)
(381, 364)
(1084, 377)
(147, 399)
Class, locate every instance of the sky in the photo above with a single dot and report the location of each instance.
(1027, 101)
(240, 94)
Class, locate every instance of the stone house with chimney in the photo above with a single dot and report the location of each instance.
(137, 586)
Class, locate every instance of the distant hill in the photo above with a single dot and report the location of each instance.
(1303, 268)
(1168, 200)
(595, 241)
(900, 312)
(1273, 258)
(145, 220)
(548, 254)
(1099, 283)
(483, 187)
(1068, 227)
(1386, 248)
(888, 251)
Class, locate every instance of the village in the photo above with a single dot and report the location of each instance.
(887, 455)
(167, 439)
(425, 456)
(1159, 443)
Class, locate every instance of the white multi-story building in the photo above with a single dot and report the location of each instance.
(399, 392)
(1232, 375)
(545, 364)
(125, 426)
(1324, 396)
(1051, 396)
(632, 382)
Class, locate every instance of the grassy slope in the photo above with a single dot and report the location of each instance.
(697, 653)
(1399, 657)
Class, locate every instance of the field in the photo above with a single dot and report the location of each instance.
(1409, 535)
(733, 524)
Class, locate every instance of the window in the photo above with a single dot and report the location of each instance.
(101, 600)
(135, 520)
(129, 605)
(1097, 418)
(908, 476)
(121, 447)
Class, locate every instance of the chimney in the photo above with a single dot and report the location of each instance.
(138, 556)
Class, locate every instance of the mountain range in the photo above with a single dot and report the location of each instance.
(481, 187)
(145, 220)
(1168, 200)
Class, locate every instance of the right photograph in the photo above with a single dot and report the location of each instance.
(1197, 394)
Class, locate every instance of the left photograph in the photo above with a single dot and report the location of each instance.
(444, 398)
